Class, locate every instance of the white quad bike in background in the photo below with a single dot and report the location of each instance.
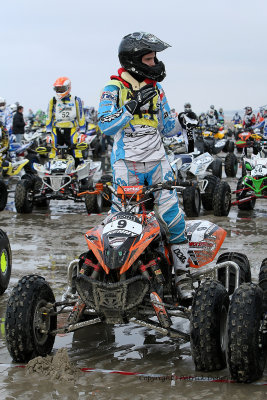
(60, 179)
(196, 182)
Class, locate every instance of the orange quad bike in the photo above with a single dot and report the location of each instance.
(126, 276)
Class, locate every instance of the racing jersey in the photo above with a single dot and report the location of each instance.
(65, 113)
(249, 120)
(136, 137)
(6, 117)
(262, 124)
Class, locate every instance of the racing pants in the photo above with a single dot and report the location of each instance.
(165, 201)
(68, 136)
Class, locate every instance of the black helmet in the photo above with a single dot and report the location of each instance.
(133, 47)
(187, 106)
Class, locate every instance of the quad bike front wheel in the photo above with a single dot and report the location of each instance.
(222, 199)
(207, 197)
(3, 195)
(207, 326)
(246, 348)
(30, 317)
(24, 196)
(191, 201)
(244, 266)
(247, 205)
(5, 261)
(231, 165)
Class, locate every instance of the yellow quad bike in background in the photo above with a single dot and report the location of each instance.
(8, 170)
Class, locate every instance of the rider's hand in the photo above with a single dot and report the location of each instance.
(141, 97)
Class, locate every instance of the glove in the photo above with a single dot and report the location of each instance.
(141, 97)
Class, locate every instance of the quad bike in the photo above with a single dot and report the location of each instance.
(59, 179)
(213, 146)
(191, 172)
(238, 128)
(215, 140)
(248, 139)
(253, 186)
(126, 276)
(5, 261)
(8, 171)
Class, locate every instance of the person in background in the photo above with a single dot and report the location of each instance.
(188, 133)
(214, 110)
(237, 119)
(249, 118)
(220, 117)
(134, 110)
(18, 124)
(263, 124)
(65, 118)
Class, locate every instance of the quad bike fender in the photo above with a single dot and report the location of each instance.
(205, 239)
(15, 168)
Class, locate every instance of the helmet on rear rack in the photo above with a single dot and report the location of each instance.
(131, 50)
(2, 104)
(62, 87)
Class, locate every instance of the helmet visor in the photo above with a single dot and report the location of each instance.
(61, 89)
(2, 104)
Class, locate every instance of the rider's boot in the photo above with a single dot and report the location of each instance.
(183, 280)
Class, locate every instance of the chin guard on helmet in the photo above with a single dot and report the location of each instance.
(133, 47)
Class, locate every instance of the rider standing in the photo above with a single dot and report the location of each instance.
(134, 110)
(65, 117)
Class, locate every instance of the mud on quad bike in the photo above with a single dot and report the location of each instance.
(126, 276)
(5, 261)
(59, 179)
(198, 186)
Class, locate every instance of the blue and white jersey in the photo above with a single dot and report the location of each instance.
(262, 124)
(135, 142)
(6, 117)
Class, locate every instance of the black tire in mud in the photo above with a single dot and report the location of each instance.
(191, 201)
(3, 195)
(222, 199)
(24, 196)
(44, 202)
(244, 265)
(27, 317)
(246, 350)
(5, 261)
(207, 326)
(105, 179)
(263, 282)
(207, 197)
(231, 165)
(93, 203)
(216, 168)
(247, 205)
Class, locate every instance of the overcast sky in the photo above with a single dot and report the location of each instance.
(218, 54)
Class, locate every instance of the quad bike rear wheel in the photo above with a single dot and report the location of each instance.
(231, 165)
(30, 317)
(222, 199)
(191, 201)
(3, 195)
(207, 197)
(5, 261)
(24, 196)
(263, 282)
(105, 179)
(244, 265)
(93, 203)
(246, 348)
(207, 326)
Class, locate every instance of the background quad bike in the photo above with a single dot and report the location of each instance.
(31, 184)
(5, 261)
